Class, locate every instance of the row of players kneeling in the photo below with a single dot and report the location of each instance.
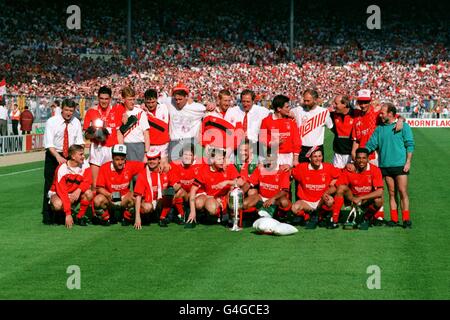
(160, 196)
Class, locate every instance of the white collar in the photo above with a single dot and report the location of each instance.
(367, 168)
(310, 167)
(114, 169)
(60, 117)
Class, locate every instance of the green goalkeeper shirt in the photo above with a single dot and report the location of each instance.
(392, 146)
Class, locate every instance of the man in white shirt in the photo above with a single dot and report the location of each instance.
(224, 102)
(311, 120)
(185, 120)
(3, 120)
(247, 116)
(61, 131)
(135, 137)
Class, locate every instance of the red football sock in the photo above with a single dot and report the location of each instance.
(405, 215)
(379, 214)
(164, 213)
(394, 215)
(127, 215)
(288, 208)
(338, 203)
(178, 203)
(307, 216)
(371, 210)
(218, 210)
(84, 204)
(105, 215)
(300, 213)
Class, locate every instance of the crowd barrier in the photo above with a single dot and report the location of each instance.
(21, 144)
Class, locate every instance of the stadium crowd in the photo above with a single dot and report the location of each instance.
(405, 62)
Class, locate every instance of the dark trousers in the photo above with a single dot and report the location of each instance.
(305, 149)
(15, 127)
(49, 172)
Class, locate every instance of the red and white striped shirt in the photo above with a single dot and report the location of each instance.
(68, 179)
(312, 125)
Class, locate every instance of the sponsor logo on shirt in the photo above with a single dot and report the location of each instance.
(315, 187)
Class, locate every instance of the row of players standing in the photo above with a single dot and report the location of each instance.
(161, 127)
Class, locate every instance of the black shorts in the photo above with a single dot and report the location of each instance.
(393, 171)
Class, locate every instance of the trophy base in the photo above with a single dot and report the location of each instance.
(349, 226)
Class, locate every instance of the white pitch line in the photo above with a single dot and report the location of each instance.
(19, 172)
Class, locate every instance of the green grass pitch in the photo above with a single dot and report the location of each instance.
(211, 262)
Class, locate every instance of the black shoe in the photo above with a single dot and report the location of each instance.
(311, 224)
(224, 219)
(178, 220)
(48, 222)
(298, 221)
(378, 222)
(48, 218)
(163, 223)
(323, 223)
(105, 223)
(189, 225)
(125, 222)
(407, 224)
(81, 221)
(393, 224)
(333, 225)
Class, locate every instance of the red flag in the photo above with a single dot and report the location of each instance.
(2, 87)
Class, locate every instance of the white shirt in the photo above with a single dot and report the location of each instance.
(216, 113)
(161, 113)
(312, 125)
(136, 133)
(255, 116)
(54, 132)
(184, 123)
(3, 113)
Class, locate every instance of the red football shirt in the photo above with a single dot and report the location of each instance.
(159, 130)
(269, 182)
(218, 132)
(185, 174)
(118, 181)
(209, 179)
(151, 193)
(246, 169)
(311, 183)
(283, 130)
(364, 125)
(112, 120)
(363, 182)
(68, 179)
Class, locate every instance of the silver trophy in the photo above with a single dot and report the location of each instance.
(236, 202)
